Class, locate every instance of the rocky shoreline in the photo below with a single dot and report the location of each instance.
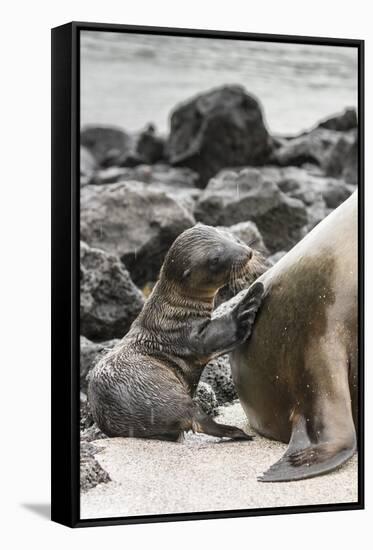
(219, 166)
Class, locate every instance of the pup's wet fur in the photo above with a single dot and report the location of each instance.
(144, 387)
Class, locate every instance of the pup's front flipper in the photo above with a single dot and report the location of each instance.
(220, 335)
(245, 311)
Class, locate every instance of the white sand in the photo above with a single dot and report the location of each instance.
(203, 474)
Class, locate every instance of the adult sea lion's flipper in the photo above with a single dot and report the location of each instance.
(304, 458)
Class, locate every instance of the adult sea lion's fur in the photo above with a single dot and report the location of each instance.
(144, 387)
(297, 375)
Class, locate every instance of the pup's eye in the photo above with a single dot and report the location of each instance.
(214, 260)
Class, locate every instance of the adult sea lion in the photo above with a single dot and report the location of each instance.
(297, 375)
(144, 387)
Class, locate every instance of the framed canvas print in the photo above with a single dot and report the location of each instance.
(207, 276)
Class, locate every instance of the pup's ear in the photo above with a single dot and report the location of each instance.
(186, 273)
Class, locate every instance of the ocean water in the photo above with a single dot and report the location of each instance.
(129, 80)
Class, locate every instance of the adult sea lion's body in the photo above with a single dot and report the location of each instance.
(297, 375)
(144, 387)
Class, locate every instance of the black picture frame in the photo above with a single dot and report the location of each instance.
(65, 272)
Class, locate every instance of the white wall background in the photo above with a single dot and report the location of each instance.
(25, 269)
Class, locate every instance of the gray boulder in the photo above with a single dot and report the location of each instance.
(342, 161)
(313, 147)
(335, 192)
(109, 145)
(109, 301)
(161, 174)
(150, 147)
(220, 128)
(113, 146)
(179, 183)
(86, 419)
(217, 374)
(90, 354)
(317, 208)
(157, 174)
(319, 193)
(248, 233)
(342, 122)
(134, 222)
(300, 185)
(253, 195)
(110, 174)
(88, 166)
(89, 431)
(91, 473)
(333, 151)
(206, 399)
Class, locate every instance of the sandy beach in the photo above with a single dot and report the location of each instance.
(203, 474)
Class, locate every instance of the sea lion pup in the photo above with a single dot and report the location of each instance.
(297, 375)
(144, 387)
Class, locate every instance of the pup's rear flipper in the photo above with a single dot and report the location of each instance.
(304, 459)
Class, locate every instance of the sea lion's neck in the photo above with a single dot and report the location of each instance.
(173, 295)
(166, 313)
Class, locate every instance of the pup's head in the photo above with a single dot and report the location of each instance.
(203, 259)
